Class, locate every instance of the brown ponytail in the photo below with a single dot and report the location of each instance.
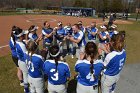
(31, 47)
(92, 51)
(54, 54)
(118, 42)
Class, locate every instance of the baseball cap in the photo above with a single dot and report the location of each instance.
(102, 26)
(35, 28)
(24, 32)
(80, 22)
(113, 26)
(59, 23)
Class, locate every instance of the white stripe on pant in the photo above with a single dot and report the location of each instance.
(85, 89)
(36, 84)
(23, 67)
(107, 82)
(57, 88)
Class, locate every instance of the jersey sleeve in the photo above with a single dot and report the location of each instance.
(81, 35)
(108, 58)
(43, 32)
(41, 63)
(76, 65)
(45, 68)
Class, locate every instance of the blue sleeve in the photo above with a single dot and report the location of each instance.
(45, 68)
(76, 68)
(10, 45)
(41, 64)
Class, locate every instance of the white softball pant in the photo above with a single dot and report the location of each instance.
(36, 84)
(80, 50)
(24, 69)
(85, 89)
(57, 88)
(108, 83)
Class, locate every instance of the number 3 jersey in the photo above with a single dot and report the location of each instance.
(84, 76)
(114, 62)
(59, 76)
(34, 65)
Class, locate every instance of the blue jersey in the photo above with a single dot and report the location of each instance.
(84, 75)
(60, 33)
(47, 31)
(90, 36)
(114, 62)
(80, 35)
(104, 35)
(12, 47)
(34, 65)
(59, 77)
(32, 36)
(68, 30)
(20, 50)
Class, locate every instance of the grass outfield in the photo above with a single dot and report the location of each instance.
(10, 84)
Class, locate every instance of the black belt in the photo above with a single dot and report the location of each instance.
(95, 87)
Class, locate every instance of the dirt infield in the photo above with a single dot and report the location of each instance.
(24, 21)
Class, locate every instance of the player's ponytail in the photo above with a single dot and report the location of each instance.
(55, 54)
(118, 42)
(31, 48)
(91, 51)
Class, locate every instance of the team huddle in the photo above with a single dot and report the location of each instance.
(100, 57)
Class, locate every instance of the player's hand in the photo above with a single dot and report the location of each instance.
(56, 28)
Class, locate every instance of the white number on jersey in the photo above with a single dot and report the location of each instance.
(90, 76)
(55, 78)
(121, 64)
(30, 66)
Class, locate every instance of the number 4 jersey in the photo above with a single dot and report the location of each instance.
(84, 75)
(59, 76)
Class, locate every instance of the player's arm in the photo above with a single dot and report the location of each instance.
(101, 37)
(74, 40)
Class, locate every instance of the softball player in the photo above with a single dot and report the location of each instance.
(47, 33)
(104, 38)
(12, 44)
(79, 39)
(89, 70)
(60, 36)
(58, 72)
(20, 50)
(92, 32)
(32, 35)
(35, 68)
(70, 46)
(113, 63)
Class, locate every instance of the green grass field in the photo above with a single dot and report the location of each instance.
(10, 84)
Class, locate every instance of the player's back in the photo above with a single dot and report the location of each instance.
(85, 77)
(114, 62)
(58, 76)
(34, 64)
